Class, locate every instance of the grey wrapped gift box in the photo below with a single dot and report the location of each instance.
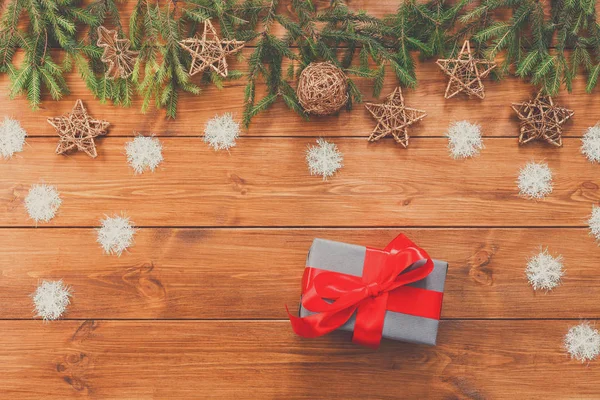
(349, 259)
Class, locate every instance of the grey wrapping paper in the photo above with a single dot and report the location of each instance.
(349, 259)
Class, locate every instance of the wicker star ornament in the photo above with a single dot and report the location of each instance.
(541, 120)
(465, 73)
(210, 51)
(393, 118)
(77, 130)
(117, 56)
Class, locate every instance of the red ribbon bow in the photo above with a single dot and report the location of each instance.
(382, 287)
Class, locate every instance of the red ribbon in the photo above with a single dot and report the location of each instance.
(336, 296)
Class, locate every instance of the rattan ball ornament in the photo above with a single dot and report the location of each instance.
(322, 89)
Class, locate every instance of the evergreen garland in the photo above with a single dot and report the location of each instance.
(547, 46)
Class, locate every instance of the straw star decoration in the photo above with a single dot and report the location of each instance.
(210, 51)
(393, 118)
(465, 73)
(117, 56)
(77, 130)
(541, 120)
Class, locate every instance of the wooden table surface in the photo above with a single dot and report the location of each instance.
(196, 308)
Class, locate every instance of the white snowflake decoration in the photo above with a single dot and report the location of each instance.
(12, 137)
(535, 180)
(464, 139)
(221, 132)
(42, 202)
(116, 234)
(51, 299)
(144, 153)
(583, 342)
(591, 144)
(544, 271)
(323, 159)
(594, 222)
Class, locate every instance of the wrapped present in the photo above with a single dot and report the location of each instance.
(394, 293)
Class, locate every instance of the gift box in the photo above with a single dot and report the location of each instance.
(394, 293)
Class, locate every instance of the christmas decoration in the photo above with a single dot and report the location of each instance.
(319, 35)
(582, 342)
(591, 144)
(323, 159)
(115, 234)
(210, 51)
(393, 118)
(594, 222)
(541, 119)
(36, 28)
(221, 132)
(465, 73)
(117, 55)
(322, 89)
(51, 299)
(535, 180)
(42, 202)
(12, 138)
(464, 139)
(144, 153)
(359, 43)
(77, 131)
(543, 271)
(394, 293)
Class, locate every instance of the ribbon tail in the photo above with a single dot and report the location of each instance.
(316, 325)
(369, 321)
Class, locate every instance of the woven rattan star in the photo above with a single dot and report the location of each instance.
(77, 131)
(465, 73)
(393, 118)
(117, 56)
(541, 120)
(210, 51)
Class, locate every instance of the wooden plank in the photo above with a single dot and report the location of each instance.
(494, 113)
(265, 360)
(254, 273)
(265, 182)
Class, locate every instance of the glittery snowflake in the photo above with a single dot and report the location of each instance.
(582, 342)
(544, 271)
(12, 137)
(594, 222)
(323, 159)
(221, 132)
(591, 144)
(42, 202)
(144, 153)
(51, 299)
(535, 180)
(464, 139)
(116, 234)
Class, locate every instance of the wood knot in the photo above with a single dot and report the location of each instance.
(73, 368)
(587, 190)
(145, 283)
(238, 183)
(478, 263)
(85, 331)
(19, 192)
(588, 185)
(76, 383)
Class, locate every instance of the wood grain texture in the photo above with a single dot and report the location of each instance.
(265, 360)
(494, 113)
(195, 309)
(265, 182)
(254, 273)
